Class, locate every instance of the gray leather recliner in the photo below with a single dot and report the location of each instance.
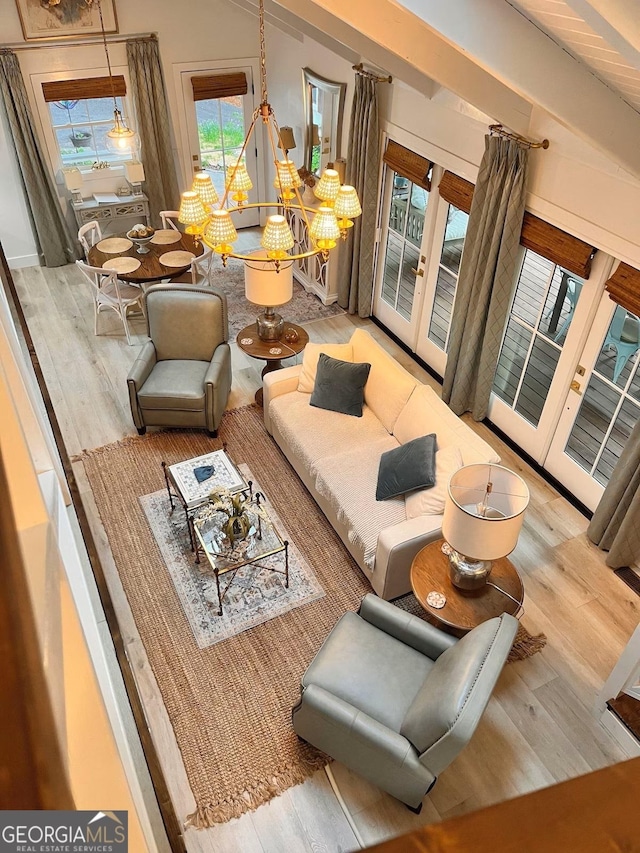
(395, 699)
(182, 377)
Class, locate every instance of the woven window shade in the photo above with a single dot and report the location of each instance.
(556, 245)
(408, 164)
(219, 86)
(624, 288)
(456, 191)
(87, 87)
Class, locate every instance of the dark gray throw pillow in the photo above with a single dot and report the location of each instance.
(407, 468)
(339, 385)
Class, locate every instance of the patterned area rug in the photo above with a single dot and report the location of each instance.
(255, 595)
(229, 704)
(303, 307)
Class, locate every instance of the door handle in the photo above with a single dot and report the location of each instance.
(575, 386)
(417, 272)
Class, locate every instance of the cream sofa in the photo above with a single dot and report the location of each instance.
(337, 456)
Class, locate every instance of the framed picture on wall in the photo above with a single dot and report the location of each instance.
(55, 19)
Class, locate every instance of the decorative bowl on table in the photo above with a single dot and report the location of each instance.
(141, 235)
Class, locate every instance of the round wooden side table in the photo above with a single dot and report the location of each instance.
(270, 351)
(464, 609)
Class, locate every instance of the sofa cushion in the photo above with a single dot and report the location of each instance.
(175, 384)
(425, 412)
(468, 669)
(389, 386)
(340, 385)
(407, 467)
(431, 501)
(347, 480)
(312, 433)
(357, 660)
(310, 357)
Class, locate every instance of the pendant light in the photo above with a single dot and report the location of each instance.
(120, 139)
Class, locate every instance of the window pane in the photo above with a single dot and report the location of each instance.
(417, 208)
(407, 281)
(455, 232)
(532, 287)
(399, 198)
(560, 305)
(80, 128)
(537, 380)
(442, 308)
(592, 423)
(619, 352)
(392, 259)
(618, 437)
(511, 361)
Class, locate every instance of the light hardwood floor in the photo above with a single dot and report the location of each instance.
(539, 727)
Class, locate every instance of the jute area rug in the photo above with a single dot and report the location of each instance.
(229, 704)
(302, 308)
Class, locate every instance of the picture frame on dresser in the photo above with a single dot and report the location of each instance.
(72, 19)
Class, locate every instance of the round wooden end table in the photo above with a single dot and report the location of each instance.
(464, 609)
(270, 351)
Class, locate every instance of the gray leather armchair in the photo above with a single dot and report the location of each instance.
(395, 699)
(182, 377)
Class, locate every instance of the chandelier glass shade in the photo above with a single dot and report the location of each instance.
(321, 227)
(120, 139)
(347, 206)
(203, 185)
(192, 212)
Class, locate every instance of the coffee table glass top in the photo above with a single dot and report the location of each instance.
(222, 554)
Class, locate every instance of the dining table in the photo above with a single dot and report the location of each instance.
(169, 254)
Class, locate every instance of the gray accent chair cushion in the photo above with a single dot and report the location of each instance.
(396, 699)
(182, 377)
(407, 468)
(339, 385)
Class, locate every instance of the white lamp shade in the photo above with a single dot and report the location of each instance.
(238, 178)
(325, 225)
(327, 187)
(347, 204)
(277, 236)
(72, 178)
(192, 210)
(286, 175)
(203, 185)
(134, 171)
(220, 230)
(263, 285)
(490, 536)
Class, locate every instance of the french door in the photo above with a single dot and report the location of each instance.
(602, 406)
(214, 131)
(408, 220)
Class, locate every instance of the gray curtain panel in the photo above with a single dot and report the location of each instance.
(56, 243)
(487, 277)
(152, 115)
(355, 263)
(615, 526)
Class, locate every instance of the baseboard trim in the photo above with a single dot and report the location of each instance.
(22, 261)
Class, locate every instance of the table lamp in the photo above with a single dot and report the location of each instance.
(265, 286)
(483, 515)
(73, 182)
(134, 172)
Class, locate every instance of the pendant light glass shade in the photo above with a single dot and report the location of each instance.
(238, 181)
(286, 179)
(328, 186)
(220, 232)
(277, 237)
(192, 212)
(324, 228)
(121, 139)
(203, 185)
(347, 206)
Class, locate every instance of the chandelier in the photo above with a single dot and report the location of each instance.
(324, 225)
(120, 139)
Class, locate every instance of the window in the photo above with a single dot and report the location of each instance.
(80, 128)
(447, 281)
(543, 306)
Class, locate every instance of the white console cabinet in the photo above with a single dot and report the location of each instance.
(314, 274)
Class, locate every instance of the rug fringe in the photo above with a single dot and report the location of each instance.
(526, 645)
(207, 815)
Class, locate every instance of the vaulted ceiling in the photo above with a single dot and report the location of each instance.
(577, 59)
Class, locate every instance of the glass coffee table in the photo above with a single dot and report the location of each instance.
(224, 557)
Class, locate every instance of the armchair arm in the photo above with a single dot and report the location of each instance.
(138, 375)
(217, 384)
(318, 702)
(411, 630)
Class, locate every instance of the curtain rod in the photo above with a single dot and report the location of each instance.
(359, 69)
(498, 130)
(57, 44)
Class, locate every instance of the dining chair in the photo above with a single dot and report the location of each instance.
(170, 219)
(624, 337)
(110, 292)
(200, 271)
(89, 234)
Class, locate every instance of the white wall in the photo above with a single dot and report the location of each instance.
(16, 232)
